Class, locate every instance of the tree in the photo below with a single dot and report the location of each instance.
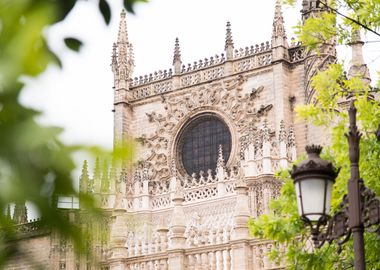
(35, 165)
(332, 88)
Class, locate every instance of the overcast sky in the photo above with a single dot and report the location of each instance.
(79, 97)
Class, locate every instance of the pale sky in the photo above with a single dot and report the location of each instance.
(79, 97)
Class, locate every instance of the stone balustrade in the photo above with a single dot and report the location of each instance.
(296, 54)
(202, 71)
(214, 256)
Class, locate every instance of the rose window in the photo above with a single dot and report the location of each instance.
(199, 142)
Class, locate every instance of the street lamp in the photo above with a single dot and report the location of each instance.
(359, 210)
(313, 180)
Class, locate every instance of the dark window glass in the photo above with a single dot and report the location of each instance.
(199, 144)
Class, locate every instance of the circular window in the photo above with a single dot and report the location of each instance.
(199, 142)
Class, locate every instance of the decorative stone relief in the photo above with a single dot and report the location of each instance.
(223, 96)
(261, 192)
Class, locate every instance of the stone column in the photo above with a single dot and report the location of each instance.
(177, 63)
(267, 166)
(240, 247)
(250, 164)
(229, 50)
(177, 230)
(118, 239)
(145, 191)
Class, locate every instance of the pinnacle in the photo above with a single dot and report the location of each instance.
(278, 21)
(122, 57)
(177, 52)
(358, 67)
(123, 33)
(122, 13)
(114, 56)
(229, 41)
(220, 162)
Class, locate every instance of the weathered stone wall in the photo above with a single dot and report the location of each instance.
(33, 253)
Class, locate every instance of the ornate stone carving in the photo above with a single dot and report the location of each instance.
(223, 96)
(261, 192)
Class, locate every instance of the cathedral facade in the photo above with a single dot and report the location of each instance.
(210, 136)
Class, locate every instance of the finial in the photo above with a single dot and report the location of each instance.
(123, 33)
(229, 44)
(84, 179)
(220, 162)
(278, 22)
(122, 13)
(279, 38)
(177, 57)
(313, 149)
(123, 55)
(96, 173)
(177, 52)
(105, 185)
(96, 176)
(229, 41)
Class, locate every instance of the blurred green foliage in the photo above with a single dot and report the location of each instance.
(283, 224)
(293, 243)
(35, 165)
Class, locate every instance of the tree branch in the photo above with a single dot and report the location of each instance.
(348, 18)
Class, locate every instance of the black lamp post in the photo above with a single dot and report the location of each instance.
(359, 210)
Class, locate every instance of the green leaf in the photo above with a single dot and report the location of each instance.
(129, 4)
(105, 10)
(73, 44)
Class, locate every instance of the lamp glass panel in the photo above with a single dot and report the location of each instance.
(299, 199)
(313, 197)
(328, 196)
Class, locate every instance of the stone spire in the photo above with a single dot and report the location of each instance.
(358, 67)
(278, 33)
(229, 45)
(279, 40)
(177, 57)
(96, 176)
(105, 185)
(84, 179)
(220, 161)
(122, 67)
(122, 61)
(20, 213)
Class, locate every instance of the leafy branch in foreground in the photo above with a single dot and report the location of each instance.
(35, 165)
(283, 224)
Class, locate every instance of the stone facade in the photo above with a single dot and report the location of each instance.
(159, 216)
